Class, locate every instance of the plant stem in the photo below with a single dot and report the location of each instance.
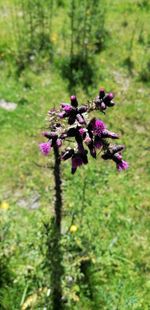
(56, 255)
(58, 192)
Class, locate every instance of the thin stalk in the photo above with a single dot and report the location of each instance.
(58, 191)
(56, 253)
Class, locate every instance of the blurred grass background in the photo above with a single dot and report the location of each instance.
(108, 262)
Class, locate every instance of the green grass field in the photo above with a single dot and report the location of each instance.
(111, 209)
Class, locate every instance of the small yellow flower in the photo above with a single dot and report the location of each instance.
(73, 228)
(4, 205)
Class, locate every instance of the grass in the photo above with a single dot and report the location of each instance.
(111, 209)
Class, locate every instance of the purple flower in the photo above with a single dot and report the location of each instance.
(122, 165)
(88, 137)
(45, 148)
(97, 126)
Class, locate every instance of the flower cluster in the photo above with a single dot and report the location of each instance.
(83, 135)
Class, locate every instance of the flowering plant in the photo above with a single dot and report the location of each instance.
(71, 125)
(83, 135)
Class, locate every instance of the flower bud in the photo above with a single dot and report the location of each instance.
(67, 154)
(80, 119)
(82, 109)
(66, 107)
(108, 134)
(102, 106)
(74, 101)
(110, 104)
(101, 93)
(62, 114)
(117, 148)
(108, 98)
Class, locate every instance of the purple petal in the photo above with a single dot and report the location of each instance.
(97, 126)
(122, 165)
(117, 157)
(45, 148)
(66, 107)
